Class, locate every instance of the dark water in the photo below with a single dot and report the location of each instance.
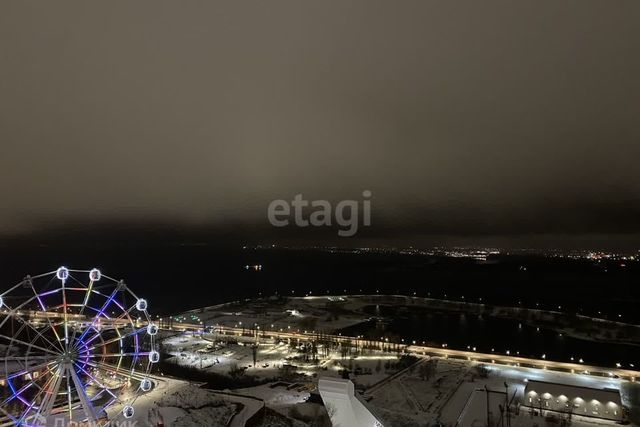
(488, 334)
(175, 277)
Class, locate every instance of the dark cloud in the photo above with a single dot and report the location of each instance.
(466, 117)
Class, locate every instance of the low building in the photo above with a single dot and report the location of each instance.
(571, 399)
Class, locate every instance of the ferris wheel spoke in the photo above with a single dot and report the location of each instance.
(76, 280)
(100, 394)
(45, 390)
(44, 310)
(46, 406)
(84, 305)
(69, 397)
(89, 341)
(111, 401)
(13, 310)
(9, 416)
(95, 380)
(21, 283)
(101, 311)
(112, 355)
(89, 410)
(29, 407)
(46, 350)
(25, 324)
(65, 309)
(52, 345)
(28, 370)
(34, 400)
(116, 339)
(128, 373)
(98, 333)
(111, 320)
(17, 393)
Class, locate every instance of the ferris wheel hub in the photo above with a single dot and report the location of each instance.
(68, 357)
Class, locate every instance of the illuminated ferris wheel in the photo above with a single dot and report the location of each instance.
(76, 343)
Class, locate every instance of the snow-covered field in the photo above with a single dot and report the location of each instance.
(449, 394)
(410, 399)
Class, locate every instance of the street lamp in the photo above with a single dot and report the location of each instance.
(506, 402)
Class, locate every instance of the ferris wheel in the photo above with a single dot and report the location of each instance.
(76, 343)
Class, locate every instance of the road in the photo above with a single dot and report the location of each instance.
(493, 358)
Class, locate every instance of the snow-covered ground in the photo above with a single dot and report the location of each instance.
(298, 314)
(288, 402)
(277, 360)
(450, 396)
(272, 358)
(276, 397)
(216, 356)
(177, 403)
(411, 398)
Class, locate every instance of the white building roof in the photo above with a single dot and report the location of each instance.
(602, 395)
(343, 406)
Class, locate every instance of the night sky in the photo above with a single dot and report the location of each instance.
(473, 119)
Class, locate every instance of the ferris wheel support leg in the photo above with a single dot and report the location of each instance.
(89, 411)
(46, 406)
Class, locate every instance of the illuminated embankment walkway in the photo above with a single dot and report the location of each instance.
(489, 358)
